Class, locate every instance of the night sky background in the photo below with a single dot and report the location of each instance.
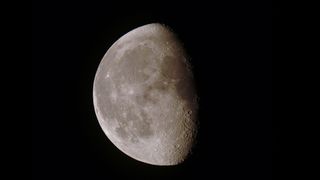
(230, 44)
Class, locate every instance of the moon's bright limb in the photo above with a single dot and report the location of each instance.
(144, 96)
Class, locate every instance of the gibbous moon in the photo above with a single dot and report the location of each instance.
(144, 96)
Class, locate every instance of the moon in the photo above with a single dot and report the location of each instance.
(145, 98)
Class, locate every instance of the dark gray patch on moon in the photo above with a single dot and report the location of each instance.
(133, 61)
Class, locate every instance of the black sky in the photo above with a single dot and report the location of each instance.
(230, 44)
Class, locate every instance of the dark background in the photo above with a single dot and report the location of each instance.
(230, 44)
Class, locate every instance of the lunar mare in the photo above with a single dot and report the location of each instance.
(144, 96)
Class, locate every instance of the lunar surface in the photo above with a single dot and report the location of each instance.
(144, 96)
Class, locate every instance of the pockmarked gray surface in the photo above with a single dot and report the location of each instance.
(144, 96)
